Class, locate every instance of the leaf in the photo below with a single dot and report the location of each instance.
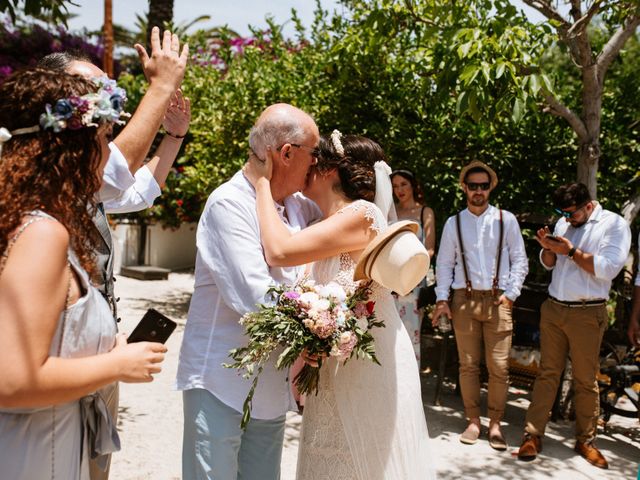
(534, 84)
(463, 50)
(282, 357)
(500, 69)
(518, 110)
(473, 107)
(462, 103)
(469, 74)
(486, 72)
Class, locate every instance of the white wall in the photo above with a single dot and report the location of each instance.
(166, 248)
(172, 249)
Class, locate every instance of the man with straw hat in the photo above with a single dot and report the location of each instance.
(483, 260)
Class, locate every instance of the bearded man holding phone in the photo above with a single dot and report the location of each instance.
(588, 248)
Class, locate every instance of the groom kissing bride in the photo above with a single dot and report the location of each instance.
(367, 421)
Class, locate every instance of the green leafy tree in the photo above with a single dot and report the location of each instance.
(55, 9)
(496, 62)
(361, 74)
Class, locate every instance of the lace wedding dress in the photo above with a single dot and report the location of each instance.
(367, 421)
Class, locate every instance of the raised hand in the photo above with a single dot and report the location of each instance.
(178, 115)
(166, 66)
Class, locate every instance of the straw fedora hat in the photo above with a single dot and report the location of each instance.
(478, 164)
(396, 259)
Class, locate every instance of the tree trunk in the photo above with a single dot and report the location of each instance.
(589, 147)
(160, 13)
(631, 209)
(588, 158)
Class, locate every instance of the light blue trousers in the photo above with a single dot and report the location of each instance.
(215, 447)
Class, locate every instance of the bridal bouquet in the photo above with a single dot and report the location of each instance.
(323, 320)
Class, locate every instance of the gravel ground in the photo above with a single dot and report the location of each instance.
(150, 420)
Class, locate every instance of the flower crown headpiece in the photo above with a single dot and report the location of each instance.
(73, 113)
(90, 110)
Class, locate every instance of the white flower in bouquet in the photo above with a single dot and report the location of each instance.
(332, 290)
(308, 298)
(345, 337)
(362, 323)
(320, 305)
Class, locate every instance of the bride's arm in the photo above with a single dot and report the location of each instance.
(347, 231)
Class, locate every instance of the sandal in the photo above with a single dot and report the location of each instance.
(469, 436)
(497, 442)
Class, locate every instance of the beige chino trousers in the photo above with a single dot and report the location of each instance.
(479, 323)
(576, 332)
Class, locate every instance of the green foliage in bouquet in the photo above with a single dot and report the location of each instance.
(321, 320)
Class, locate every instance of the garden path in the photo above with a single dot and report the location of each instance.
(150, 420)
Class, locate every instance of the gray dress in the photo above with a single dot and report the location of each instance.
(56, 442)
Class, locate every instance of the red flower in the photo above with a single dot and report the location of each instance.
(370, 307)
(179, 203)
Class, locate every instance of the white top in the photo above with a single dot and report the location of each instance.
(122, 192)
(607, 236)
(231, 278)
(480, 237)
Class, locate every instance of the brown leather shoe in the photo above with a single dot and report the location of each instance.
(591, 454)
(530, 448)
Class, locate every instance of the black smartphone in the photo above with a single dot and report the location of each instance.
(553, 238)
(154, 327)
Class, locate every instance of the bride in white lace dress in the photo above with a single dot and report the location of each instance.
(367, 421)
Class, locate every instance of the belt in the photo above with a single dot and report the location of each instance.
(477, 293)
(579, 303)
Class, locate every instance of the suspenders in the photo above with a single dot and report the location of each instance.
(467, 281)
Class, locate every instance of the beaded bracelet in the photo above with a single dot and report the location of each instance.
(174, 135)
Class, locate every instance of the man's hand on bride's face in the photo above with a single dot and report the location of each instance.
(256, 169)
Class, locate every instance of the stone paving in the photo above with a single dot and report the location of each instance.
(150, 420)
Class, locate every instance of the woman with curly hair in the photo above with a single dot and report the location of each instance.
(59, 354)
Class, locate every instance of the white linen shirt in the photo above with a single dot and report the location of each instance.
(122, 192)
(480, 236)
(231, 278)
(607, 236)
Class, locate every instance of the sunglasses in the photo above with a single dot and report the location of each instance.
(568, 215)
(315, 152)
(478, 186)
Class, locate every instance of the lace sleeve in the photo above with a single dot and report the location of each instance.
(378, 222)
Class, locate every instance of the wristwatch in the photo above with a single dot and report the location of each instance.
(571, 252)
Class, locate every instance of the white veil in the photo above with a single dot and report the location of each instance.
(384, 191)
